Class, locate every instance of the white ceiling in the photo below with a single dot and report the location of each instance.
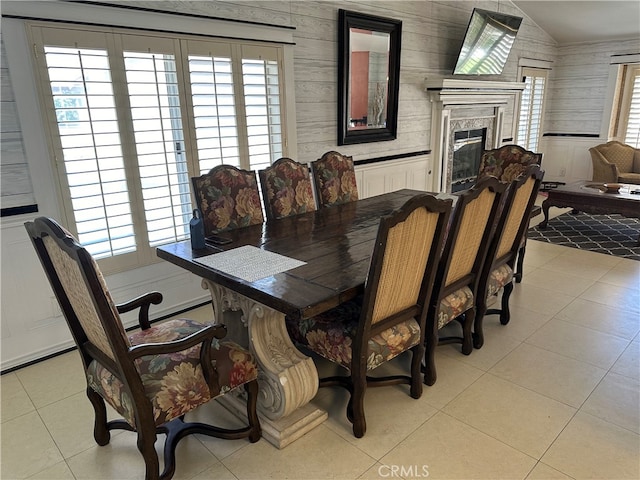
(581, 21)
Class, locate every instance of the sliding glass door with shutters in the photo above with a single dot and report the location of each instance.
(132, 117)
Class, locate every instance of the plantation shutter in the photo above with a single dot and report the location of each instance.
(132, 116)
(89, 147)
(260, 80)
(531, 108)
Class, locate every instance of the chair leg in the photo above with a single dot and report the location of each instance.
(467, 326)
(146, 441)
(431, 342)
(520, 264)
(417, 354)
(478, 334)
(505, 314)
(252, 414)
(100, 430)
(357, 406)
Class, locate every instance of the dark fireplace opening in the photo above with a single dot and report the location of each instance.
(468, 146)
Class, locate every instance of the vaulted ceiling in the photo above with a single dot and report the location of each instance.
(586, 20)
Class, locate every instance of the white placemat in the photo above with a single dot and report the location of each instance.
(249, 263)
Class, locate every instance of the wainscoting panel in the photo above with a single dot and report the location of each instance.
(566, 158)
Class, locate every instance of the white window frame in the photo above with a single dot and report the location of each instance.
(49, 198)
(628, 95)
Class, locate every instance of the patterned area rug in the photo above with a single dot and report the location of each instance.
(611, 234)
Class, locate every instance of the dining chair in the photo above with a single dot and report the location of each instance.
(456, 282)
(499, 266)
(153, 376)
(286, 189)
(334, 178)
(507, 163)
(228, 198)
(389, 317)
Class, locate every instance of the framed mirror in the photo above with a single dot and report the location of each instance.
(368, 77)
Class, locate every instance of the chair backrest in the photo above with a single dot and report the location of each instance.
(334, 178)
(470, 232)
(286, 189)
(228, 198)
(403, 265)
(507, 162)
(81, 291)
(617, 153)
(513, 220)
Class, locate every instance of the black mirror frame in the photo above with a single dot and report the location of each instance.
(347, 20)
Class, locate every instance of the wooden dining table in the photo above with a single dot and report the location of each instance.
(335, 245)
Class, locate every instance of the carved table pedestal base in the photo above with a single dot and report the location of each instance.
(288, 380)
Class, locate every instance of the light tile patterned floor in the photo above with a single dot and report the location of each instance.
(554, 394)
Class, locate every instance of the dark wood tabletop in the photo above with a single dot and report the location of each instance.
(336, 243)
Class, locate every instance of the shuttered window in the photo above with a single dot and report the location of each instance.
(531, 108)
(133, 116)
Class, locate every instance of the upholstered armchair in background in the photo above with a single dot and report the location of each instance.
(615, 162)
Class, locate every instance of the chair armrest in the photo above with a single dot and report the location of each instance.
(603, 171)
(203, 337)
(143, 302)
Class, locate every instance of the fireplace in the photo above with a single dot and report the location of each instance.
(467, 152)
(459, 106)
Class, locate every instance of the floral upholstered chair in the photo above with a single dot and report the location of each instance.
(286, 189)
(507, 163)
(228, 198)
(335, 179)
(152, 377)
(456, 284)
(389, 318)
(499, 266)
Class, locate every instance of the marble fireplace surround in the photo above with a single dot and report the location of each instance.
(464, 105)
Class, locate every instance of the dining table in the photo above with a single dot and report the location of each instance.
(293, 267)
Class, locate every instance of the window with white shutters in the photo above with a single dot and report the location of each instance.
(531, 108)
(133, 116)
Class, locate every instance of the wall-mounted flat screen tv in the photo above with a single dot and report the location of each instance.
(487, 43)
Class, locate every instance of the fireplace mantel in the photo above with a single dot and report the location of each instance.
(462, 104)
(452, 91)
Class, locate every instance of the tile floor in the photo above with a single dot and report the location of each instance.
(554, 394)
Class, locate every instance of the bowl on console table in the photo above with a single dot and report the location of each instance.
(612, 187)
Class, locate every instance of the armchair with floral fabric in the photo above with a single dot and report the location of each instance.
(152, 377)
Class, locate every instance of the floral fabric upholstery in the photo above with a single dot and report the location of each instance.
(331, 335)
(454, 305)
(507, 162)
(174, 383)
(498, 278)
(228, 198)
(287, 190)
(335, 179)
